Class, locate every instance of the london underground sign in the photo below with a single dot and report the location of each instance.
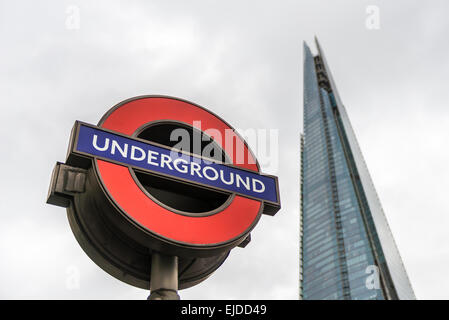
(131, 193)
(142, 155)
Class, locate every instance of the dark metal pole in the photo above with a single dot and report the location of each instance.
(164, 277)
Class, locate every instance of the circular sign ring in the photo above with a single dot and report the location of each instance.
(233, 222)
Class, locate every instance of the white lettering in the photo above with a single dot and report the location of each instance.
(245, 183)
(116, 146)
(183, 168)
(152, 155)
(215, 177)
(133, 153)
(104, 148)
(195, 167)
(255, 182)
(231, 178)
(165, 160)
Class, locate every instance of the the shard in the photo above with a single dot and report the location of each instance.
(347, 249)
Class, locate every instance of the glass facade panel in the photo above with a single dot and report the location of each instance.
(344, 255)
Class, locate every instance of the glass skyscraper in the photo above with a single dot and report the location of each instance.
(347, 249)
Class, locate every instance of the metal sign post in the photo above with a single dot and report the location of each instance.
(164, 277)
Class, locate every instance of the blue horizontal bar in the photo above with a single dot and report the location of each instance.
(97, 142)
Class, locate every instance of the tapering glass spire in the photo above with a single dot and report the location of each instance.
(348, 251)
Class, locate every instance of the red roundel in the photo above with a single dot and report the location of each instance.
(234, 221)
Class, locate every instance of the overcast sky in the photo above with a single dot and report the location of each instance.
(243, 61)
